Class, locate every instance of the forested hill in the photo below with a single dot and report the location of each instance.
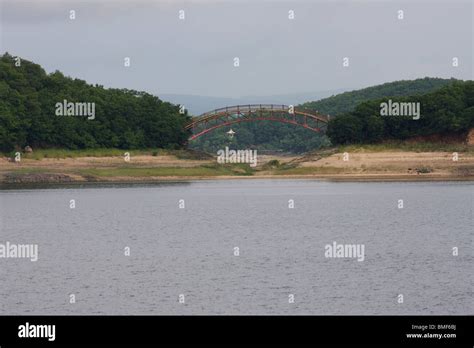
(123, 118)
(446, 111)
(290, 138)
(347, 101)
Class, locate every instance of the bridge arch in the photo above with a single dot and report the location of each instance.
(229, 115)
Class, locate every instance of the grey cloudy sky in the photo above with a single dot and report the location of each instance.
(277, 55)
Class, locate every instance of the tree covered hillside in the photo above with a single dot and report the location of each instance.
(290, 138)
(444, 111)
(347, 101)
(123, 118)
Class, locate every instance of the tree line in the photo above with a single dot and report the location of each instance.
(124, 118)
(448, 110)
(129, 119)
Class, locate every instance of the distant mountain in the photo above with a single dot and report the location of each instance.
(334, 102)
(197, 104)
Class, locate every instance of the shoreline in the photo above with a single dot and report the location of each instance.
(363, 166)
(187, 179)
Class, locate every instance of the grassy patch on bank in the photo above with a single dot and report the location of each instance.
(204, 170)
(404, 146)
(311, 170)
(39, 154)
(64, 153)
(29, 170)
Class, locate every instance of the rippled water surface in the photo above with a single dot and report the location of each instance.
(190, 251)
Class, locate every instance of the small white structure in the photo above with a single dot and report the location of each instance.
(231, 133)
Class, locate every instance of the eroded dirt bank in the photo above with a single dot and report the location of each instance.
(352, 166)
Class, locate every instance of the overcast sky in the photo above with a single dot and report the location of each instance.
(277, 55)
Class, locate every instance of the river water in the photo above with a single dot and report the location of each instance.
(237, 248)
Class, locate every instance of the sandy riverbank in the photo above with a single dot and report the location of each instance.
(358, 166)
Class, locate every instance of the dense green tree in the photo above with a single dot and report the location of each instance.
(123, 118)
(345, 129)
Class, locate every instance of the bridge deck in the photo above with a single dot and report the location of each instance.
(253, 112)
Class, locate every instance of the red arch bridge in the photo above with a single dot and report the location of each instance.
(229, 115)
